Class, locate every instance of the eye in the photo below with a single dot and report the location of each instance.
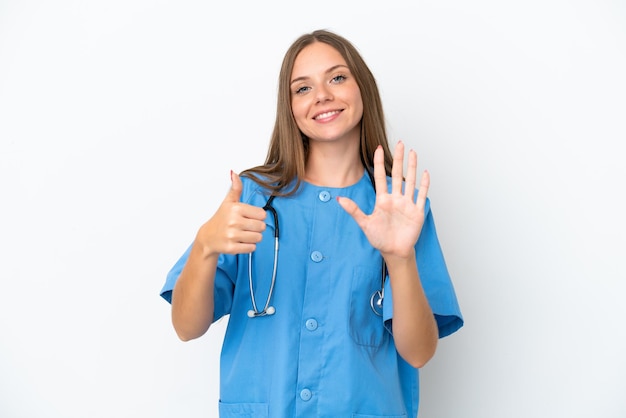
(338, 79)
(302, 90)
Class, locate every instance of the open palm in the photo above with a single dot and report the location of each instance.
(396, 222)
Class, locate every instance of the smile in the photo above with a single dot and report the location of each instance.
(326, 115)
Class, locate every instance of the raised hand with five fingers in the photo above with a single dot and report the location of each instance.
(396, 222)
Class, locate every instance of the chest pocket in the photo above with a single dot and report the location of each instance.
(243, 410)
(366, 328)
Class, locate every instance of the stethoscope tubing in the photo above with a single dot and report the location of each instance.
(267, 309)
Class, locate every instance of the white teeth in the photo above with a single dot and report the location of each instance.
(327, 114)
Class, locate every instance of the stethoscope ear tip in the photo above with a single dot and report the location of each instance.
(269, 311)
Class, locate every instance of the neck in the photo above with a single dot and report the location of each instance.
(334, 165)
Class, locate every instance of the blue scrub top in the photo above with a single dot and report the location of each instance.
(324, 353)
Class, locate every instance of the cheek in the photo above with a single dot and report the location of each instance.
(359, 106)
(299, 113)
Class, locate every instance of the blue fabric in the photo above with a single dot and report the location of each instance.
(324, 353)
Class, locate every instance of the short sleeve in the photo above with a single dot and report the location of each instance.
(224, 282)
(435, 280)
(172, 276)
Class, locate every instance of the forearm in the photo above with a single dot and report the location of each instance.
(414, 326)
(192, 297)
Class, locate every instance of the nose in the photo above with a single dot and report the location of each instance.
(323, 94)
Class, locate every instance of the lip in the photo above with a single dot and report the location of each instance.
(326, 114)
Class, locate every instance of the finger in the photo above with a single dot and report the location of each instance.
(239, 248)
(380, 175)
(250, 237)
(234, 194)
(397, 168)
(239, 241)
(253, 225)
(250, 212)
(411, 176)
(243, 209)
(423, 191)
(353, 210)
(242, 223)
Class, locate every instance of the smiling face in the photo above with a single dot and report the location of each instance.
(325, 98)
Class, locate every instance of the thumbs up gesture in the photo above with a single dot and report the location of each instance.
(235, 227)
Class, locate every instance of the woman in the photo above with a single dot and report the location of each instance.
(337, 320)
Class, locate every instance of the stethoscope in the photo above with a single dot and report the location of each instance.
(267, 309)
(376, 300)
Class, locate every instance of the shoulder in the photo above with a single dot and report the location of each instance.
(253, 191)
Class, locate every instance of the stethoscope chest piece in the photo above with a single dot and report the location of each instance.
(376, 302)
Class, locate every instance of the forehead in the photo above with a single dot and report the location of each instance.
(317, 57)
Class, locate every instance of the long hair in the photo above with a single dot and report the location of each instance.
(288, 149)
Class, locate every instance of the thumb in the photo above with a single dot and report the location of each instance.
(353, 210)
(234, 194)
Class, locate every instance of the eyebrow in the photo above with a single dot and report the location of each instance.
(330, 70)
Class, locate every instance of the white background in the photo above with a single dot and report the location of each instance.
(119, 124)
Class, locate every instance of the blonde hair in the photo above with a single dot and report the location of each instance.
(288, 149)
